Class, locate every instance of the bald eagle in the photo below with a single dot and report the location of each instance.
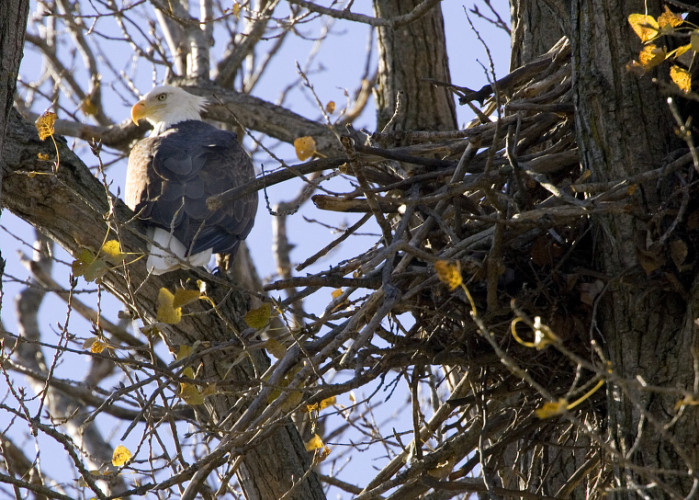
(171, 174)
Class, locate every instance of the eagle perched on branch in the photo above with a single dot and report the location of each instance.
(171, 174)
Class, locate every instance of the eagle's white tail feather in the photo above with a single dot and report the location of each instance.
(168, 253)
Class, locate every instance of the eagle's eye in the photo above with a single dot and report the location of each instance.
(161, 97)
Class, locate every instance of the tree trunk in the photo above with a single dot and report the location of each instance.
(647, 326)
(536, 27)
(408, 55)
(13, 23)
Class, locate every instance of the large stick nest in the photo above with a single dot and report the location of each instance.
(506, 198)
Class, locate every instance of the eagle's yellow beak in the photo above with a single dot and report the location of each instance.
(138, 111)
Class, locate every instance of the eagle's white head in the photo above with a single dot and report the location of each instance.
(166, 105)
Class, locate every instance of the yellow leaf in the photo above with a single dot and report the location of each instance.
(646, 27)
(43, 156)
(322, 405)
(167, 313)
(651, 56)
(328, 402)
(679, 51)
(552, 408)
(336, 293)
(44, 124)
(449, 273)
(112, 251)
(98, 346)
(330, 107)
(183, 351)
(121, 456)
(191, 394)
(184, 297)
(259, 318)
(352, 397)
(236, 10)
(321, 455)
(682, 78)
(305, 147)
(315, 443)
(668, 20)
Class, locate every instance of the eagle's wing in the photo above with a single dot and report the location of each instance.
(170, 177)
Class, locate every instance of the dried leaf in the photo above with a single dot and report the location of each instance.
(120, 456)
(336, 293)
(681, 77)
(112, 251)
(646, 27)
(322, 405)
(679, 51)
(330, 107)
(668, 20)
(44, 124)
(635, 68)
(167, 313)
(259, 318)
(183, 351)
(315, 443)
(305, 147)
(191, 394)
(275, 348)
(650, 260)
(678, 252)
(652, 55)
(88, 107)
(449, 273)
(98, 346)
(184, 297)
(321, 455)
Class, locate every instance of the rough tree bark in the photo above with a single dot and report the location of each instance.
(533, 32)
(623, 128)
(13, 23)
(408, 55)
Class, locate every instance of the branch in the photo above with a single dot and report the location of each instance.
(72, 208)
(393, 22)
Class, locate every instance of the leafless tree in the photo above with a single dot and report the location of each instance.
(524, 306)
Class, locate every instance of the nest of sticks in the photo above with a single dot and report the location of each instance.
(507, 201)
